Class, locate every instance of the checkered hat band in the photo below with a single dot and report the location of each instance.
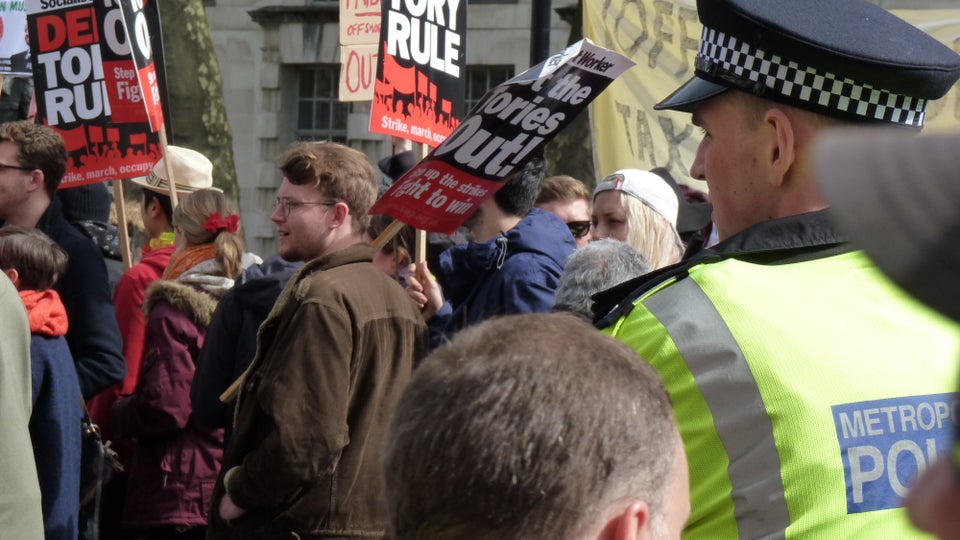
(725, 57)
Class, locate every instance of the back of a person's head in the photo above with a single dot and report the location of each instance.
(651, 234)
(338, 171)
(597, 267)
(90, 202)
(562, 188)
(38, 260)
(400, 247)
(526, 426)
(207, 216)
(519, 192)
(40, 148)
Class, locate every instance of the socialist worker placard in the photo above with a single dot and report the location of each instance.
(511, 121)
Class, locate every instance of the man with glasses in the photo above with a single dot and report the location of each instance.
(332, 359)
(569, 199)
(33, 160)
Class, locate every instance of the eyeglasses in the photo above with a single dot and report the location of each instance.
(15, 167)
(579, 229)
(287, 204)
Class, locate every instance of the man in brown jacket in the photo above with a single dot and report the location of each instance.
(332, 360)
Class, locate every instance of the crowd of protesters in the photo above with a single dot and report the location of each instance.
(635, 362)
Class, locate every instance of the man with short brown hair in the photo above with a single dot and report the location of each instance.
(535, 426)
(570, 200)
(33, 160)
(332, 359)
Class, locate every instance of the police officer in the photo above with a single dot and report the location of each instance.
(808, 389)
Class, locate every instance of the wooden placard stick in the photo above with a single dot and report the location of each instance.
(171, 181)
(420, 242)
(120, 201)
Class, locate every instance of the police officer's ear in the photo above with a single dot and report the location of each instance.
(781, 139)
(632, 522)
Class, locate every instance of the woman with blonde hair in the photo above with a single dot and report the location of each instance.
(639, 208)
(177, 459)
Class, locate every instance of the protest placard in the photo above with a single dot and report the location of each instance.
(14, 48)
(511, 121)
(359, 42)
(419, 89)
(140, 45)
(359, 22)
(87, 89)
(358, 72)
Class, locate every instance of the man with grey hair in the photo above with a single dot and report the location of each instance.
(597, 267)
(534, 426)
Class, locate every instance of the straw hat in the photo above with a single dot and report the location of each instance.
(191, 171)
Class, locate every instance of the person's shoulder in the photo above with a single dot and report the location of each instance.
(50, 351)
(192, 303)
(141, 274)
(74, 242)
(612, 304)
(531, 263)
(141, 271)
(544, 233)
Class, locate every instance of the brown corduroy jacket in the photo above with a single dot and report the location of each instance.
(332, 360)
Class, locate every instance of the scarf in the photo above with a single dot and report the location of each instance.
(165, 239)
(45, 312)
(188, 257)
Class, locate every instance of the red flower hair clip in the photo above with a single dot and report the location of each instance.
(216, 223)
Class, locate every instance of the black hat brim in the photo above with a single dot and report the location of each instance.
(687, 96)
(384, 165)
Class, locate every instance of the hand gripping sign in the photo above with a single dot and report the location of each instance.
(511, 120)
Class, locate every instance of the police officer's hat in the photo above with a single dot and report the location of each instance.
(843, 58)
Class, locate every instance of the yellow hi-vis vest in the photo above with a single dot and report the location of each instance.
(808, 395)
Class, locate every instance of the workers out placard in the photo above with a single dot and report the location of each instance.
(87, 87)
(420, 72)
(514, 119)
(359, 43)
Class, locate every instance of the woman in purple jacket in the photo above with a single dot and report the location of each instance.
(177, 459)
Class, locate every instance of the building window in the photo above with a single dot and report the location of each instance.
(480, 79)
(320, 116)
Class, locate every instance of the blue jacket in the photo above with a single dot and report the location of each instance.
(94, 337)
(55, 432)
(516, 272)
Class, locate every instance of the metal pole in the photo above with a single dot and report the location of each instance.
(539, 31)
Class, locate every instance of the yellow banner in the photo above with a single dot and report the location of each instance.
(662, 37)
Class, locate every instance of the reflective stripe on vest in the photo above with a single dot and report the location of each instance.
(702, 337)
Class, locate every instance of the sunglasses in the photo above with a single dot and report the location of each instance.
(579, 229)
